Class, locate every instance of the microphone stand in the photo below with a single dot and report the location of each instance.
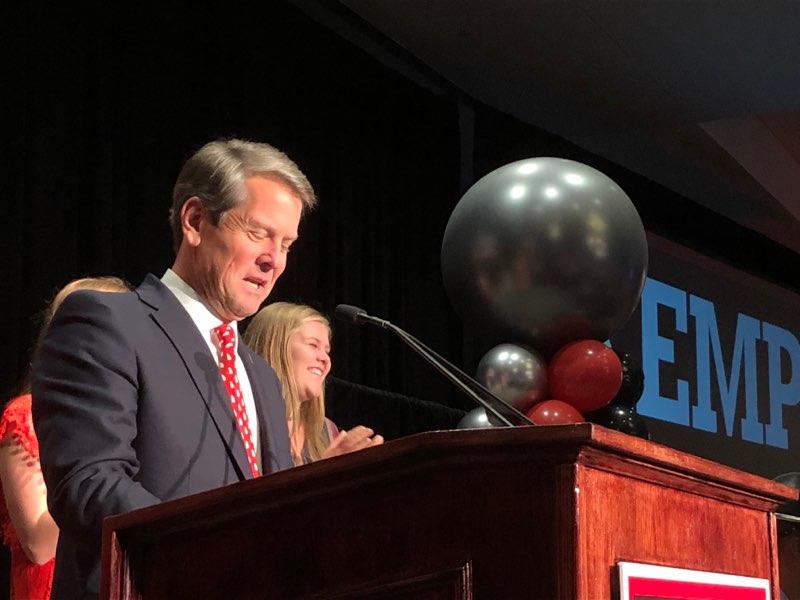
(503, 411)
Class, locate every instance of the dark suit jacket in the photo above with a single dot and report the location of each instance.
(130, 410)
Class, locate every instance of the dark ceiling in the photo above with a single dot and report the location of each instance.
(702, 96)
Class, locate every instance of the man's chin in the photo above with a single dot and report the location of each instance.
(244, 313)
(235, 312)
(247, 306)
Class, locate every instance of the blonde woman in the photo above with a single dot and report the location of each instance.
(28, 529)
(295, 340)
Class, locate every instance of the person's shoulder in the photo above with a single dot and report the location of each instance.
(91, 301)
(93, 307)
(17, 408)
(16, 423)
(331, 429)
(100, 298)
(20, 403)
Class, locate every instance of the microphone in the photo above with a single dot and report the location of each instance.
(499, 408)
(357, 316)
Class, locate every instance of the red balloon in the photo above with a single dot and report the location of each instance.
(587, 374)
(554, 412)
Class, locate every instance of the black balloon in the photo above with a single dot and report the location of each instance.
(620, 418)
(632, 381)
(546, 251)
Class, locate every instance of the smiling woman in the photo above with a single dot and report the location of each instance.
(295, 340)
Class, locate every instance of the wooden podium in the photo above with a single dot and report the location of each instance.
(529, 512)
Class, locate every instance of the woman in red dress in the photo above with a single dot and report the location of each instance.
(28, 529)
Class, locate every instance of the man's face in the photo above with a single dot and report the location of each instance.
(238, 261)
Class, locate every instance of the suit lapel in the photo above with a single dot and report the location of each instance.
(266, 404)
(201, 366)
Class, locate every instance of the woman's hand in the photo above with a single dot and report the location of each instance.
(357, 438)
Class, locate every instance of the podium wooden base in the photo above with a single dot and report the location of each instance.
(533, 512)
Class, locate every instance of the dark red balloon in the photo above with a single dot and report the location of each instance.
(554, 412)
(587, 374)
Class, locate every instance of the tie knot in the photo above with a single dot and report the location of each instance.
(224, 332)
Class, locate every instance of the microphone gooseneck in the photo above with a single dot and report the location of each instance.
(499, 408)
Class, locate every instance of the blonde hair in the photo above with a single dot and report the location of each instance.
(268, 334)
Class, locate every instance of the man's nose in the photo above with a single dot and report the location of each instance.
(266, 261)
(265, 264)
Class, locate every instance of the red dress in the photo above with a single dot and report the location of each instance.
(28, 580)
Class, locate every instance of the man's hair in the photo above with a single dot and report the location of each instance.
(216, 174)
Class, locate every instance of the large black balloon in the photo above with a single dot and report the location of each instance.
(548, 251)
(620, 418)
(632, 381)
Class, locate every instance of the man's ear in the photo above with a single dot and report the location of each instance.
(192, 214)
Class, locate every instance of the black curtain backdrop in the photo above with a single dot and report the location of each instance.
(108, 103)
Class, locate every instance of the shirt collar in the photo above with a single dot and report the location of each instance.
(199, 312)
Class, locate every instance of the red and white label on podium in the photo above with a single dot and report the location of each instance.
(652, 582)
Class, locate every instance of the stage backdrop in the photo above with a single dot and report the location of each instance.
(721, 359)
(106, 104)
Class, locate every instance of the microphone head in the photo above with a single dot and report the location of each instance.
(351, 314)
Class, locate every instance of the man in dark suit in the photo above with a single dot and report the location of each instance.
(148, 396)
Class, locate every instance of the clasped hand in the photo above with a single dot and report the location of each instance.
(357, 438)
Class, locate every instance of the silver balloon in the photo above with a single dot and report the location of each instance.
(515, 374)
(548, 250)
(474, 419)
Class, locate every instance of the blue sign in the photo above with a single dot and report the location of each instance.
(736, 380)
(721, 359)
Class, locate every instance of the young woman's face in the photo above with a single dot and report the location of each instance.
(309, 348)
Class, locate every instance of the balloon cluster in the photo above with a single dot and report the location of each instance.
(620, 413)
(584, 379)
(550, 252)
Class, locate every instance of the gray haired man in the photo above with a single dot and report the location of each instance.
(149, 396)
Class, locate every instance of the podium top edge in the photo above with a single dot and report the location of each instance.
(563, 443)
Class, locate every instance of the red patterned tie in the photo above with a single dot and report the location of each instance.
(227, 368)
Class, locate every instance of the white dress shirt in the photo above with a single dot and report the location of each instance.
(206, 321)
